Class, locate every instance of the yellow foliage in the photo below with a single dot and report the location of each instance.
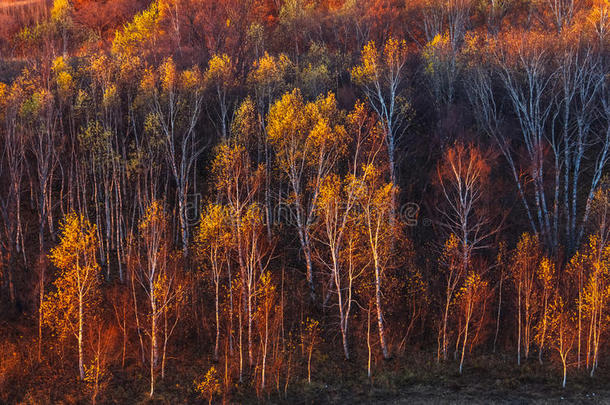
(451, 253)
(110, 96)
(394, 52)
(191, 79)
(61, 11)
(4, 91)
(546, 272)
(472, 287)
(526, 256)
(168, 75)
(368, 69)
(310, 133)
(213, 234)
(100, 69)
(78, 278)
(139, 36)
(245, 125)
(269, 72)
(376, 63)
(436, 52)
(209, 385)
(220, 72)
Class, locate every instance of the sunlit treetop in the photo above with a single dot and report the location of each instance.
(64, 77)
(380, 64)
(168, 79)
(527, 255)
(304, 131)
(252, 220)
(101, 69)
(168, 75)
(473, 284)
(546, 272)
(233, 171)
(213, 226)
(221, 71)
(330, 199)
(139, 36)
(375, 194)
(269, 74)
(599, 19)
(245, 126)
(436, 51)
(77, 284)
(451, 253)
(78, 235)
(368, 70)
(153, 217)
(61, 12)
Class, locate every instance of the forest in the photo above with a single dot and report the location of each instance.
(304, 201)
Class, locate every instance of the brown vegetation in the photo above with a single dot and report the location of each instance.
(314, 200)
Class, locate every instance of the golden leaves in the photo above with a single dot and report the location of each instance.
(245, 125)
(139, 36)
(221, 71)
(61, 11)
(154, 219)
(213, 233)
(78, 242)
(209, 385)
(77, 283)
(311, 132)
(395, 52)
(269, 72)
(546, 272)
(526, 255)
(437, 52)
(168, 80)
(168, 75)
(472, 287)
(375, 62)
(369, 66)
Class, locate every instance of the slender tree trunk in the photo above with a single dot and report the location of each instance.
(265, 343)
(498, 314)
(81, 367)
(342, 316)
(468, 315)
(565, 370)
(309, 268)
(153, 338)
(368, 340)
(519, 325)
(217, 323)
(382, 338)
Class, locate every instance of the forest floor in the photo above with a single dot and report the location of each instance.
(485, 380)
(412, 378)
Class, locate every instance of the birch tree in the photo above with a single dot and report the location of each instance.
(471, 296)
(561, 332)
(336, 246)
(212, 242)
(307, 139)
(155, 274)
(175, 101)
(381, 75)
(523, 270)
(463, 177)
(374, 200)
(221, 78)
(76, 293)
